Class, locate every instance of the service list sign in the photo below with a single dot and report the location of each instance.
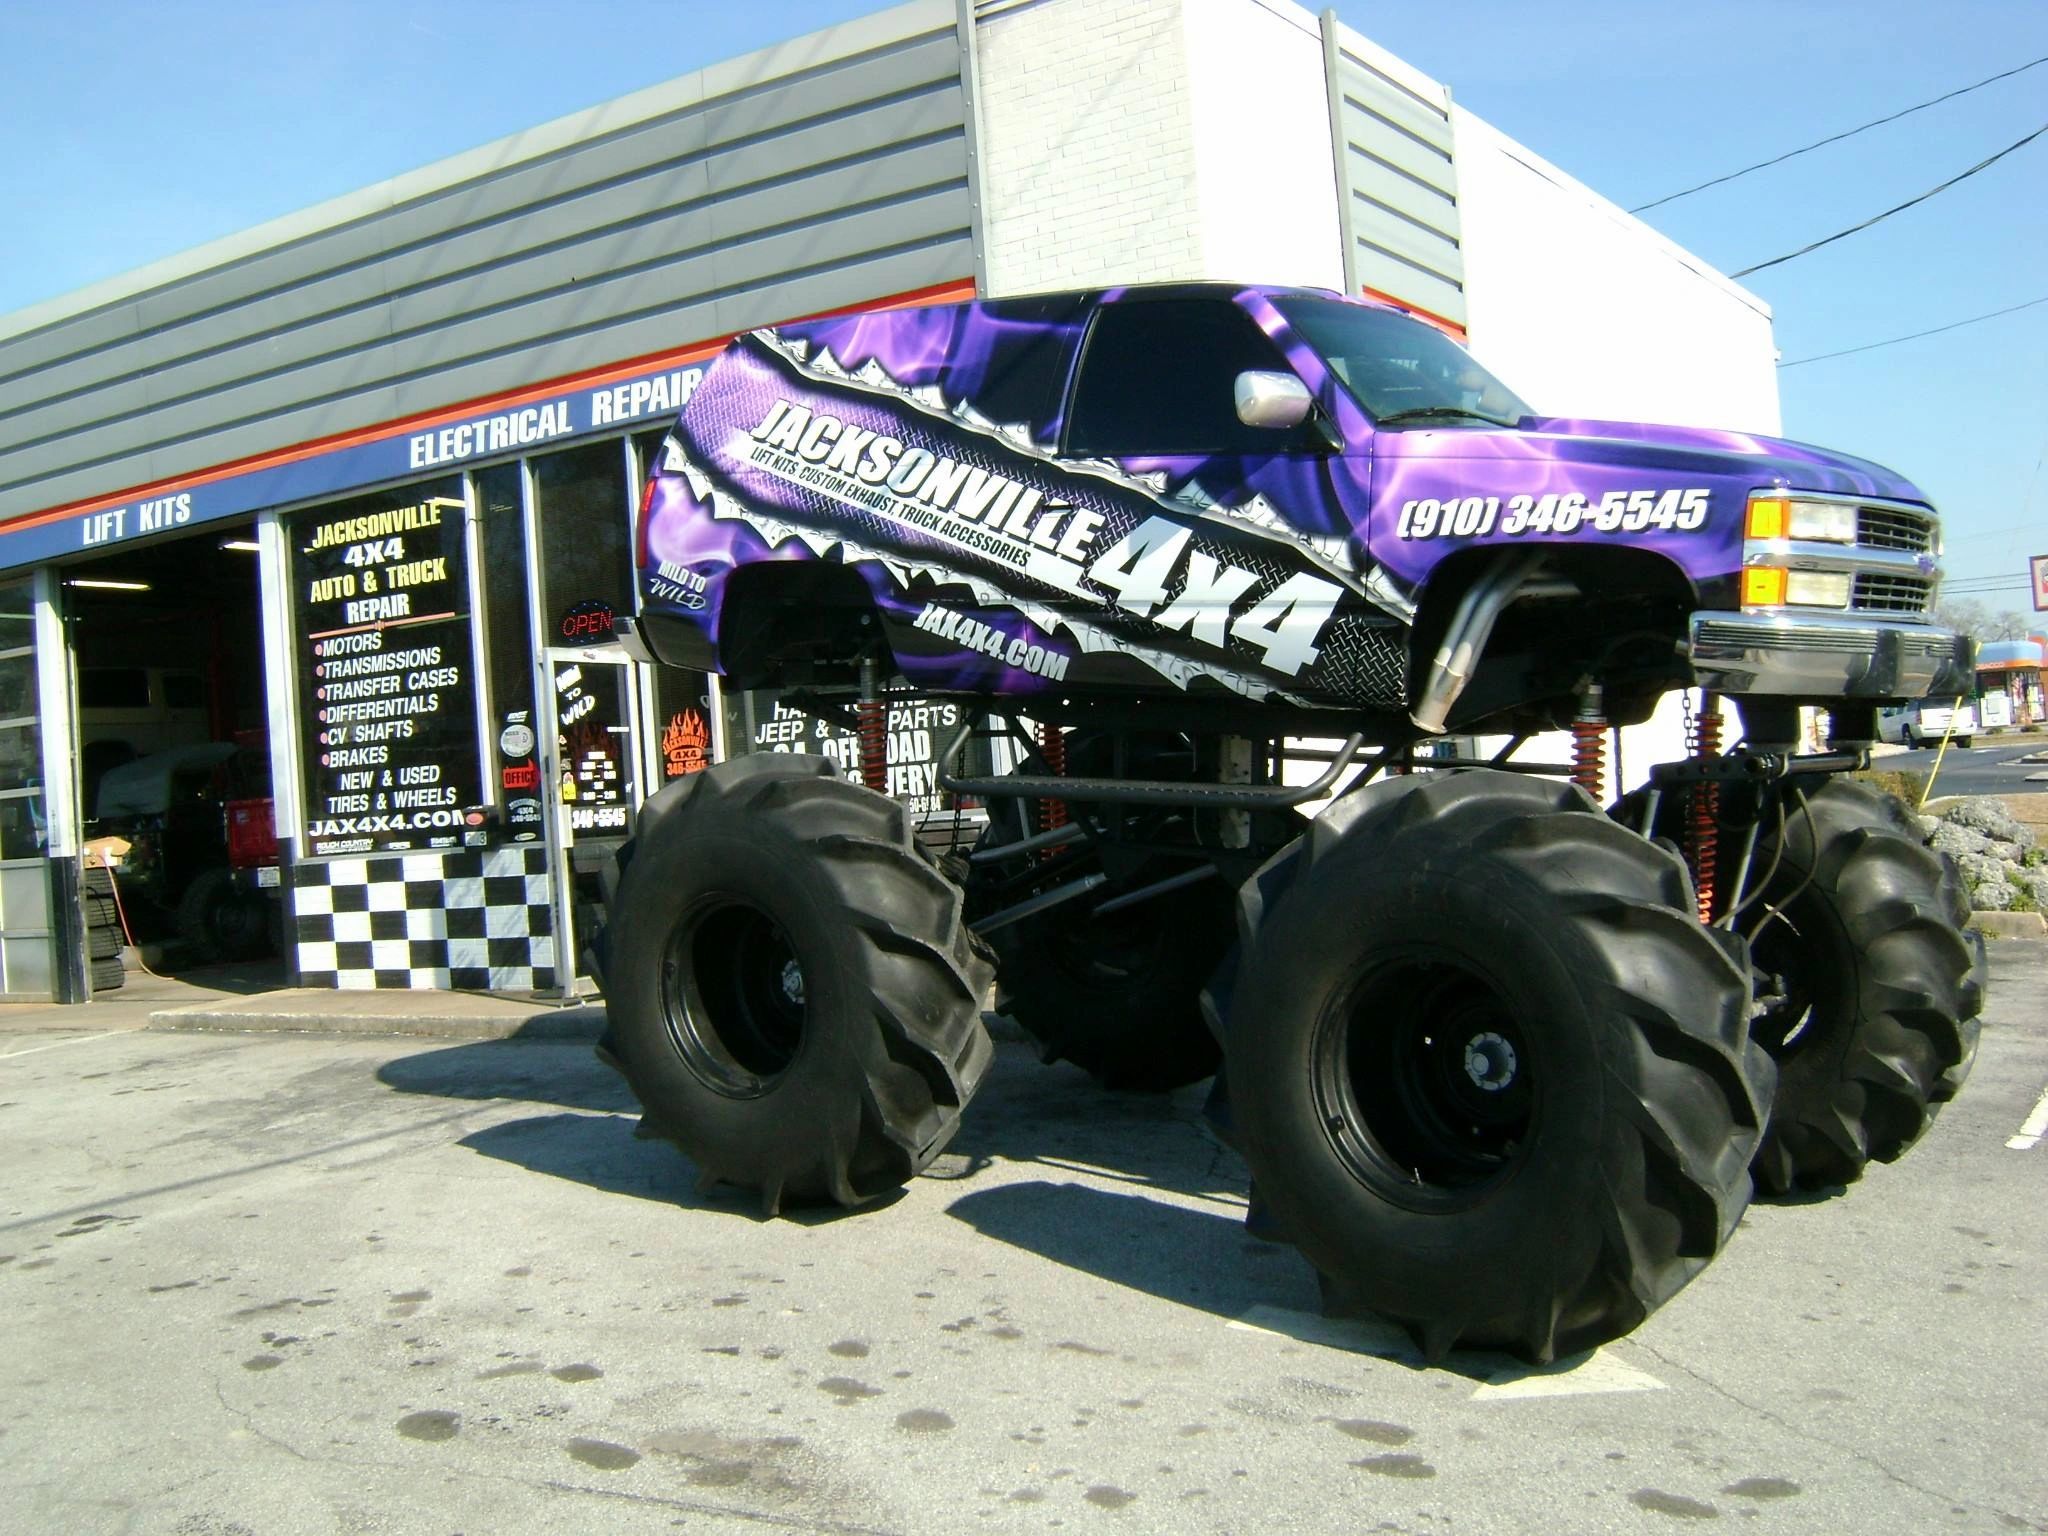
(387, 680)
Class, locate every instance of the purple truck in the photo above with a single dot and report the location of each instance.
(1504, 1060)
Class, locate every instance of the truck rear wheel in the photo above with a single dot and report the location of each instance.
(1490, 1073)
(791, 992)
(1871, 988)
(1118, 996)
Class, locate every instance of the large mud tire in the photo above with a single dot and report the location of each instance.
(1490, 1073)
(1874, 1015)
(791, 992)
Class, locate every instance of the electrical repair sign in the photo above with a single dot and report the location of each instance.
(2039, 566)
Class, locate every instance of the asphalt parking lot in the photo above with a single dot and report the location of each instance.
(302, 1283)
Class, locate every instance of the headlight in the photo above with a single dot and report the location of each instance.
(1773, 586)
(1817, 589)
(1787, 517)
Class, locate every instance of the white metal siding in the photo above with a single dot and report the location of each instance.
(1397, 176)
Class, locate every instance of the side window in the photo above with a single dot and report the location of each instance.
(1158, 377)
(112, 688)
(1012, 362)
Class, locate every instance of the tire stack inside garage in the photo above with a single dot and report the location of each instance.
(103, 930)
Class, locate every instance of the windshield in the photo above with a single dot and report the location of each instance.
(1401, 369)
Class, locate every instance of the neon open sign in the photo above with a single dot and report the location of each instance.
(586, 621)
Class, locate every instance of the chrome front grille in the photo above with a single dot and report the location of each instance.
(1894, 528)
(1889, 592)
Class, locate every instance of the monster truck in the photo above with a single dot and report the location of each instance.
(1503, 1063)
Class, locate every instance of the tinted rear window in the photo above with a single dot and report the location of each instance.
(113, 688)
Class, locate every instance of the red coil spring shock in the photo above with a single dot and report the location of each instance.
(1052, 746)
(1706, 805)
(1589, 757)
(871, 726)
(1589, 743)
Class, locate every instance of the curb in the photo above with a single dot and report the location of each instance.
(577, 1023)
(2009, 925)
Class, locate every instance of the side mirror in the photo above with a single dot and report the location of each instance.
(1272, 399)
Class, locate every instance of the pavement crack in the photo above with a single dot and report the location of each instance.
(248, 1423)
(1793, 1427)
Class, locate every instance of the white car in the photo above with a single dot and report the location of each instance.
(1923, 724)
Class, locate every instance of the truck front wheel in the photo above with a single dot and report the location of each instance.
(1490, 1073)
(1870, 989)
(792, 994)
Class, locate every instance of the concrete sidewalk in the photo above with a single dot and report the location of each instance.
(164, 1003)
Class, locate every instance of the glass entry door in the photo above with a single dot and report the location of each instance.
(598, 781)
(28, 969)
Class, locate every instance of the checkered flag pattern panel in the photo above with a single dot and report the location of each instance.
(470, 920)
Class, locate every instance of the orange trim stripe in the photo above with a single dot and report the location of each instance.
(956, 291)
(1441, 322)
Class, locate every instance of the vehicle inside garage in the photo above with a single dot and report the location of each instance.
(173, 759)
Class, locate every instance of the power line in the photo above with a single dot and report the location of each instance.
(1991, 533)
(1901, 208)
(1837, 138)
(1936, 331)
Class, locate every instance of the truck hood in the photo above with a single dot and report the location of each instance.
(1667, 450)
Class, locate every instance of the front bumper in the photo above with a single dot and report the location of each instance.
(1818, 658)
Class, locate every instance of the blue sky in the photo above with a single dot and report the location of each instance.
(129, 131)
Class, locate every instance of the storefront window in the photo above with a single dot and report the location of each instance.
(647, 450)
(387, 673)
(21, 742)
(509, 652)
(585, 542)
(682, 721)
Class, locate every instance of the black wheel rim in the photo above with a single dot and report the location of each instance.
(733, 996)
(1425, 1083)
(1806, 1004)
(235, 924)
(1106, 952)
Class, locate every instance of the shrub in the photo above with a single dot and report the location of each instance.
(1909, 786)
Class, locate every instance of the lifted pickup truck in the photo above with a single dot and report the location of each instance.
(1503, 1061)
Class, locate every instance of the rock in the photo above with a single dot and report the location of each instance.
(2036, 881)
(1992, 898)
(2011, 853)
(1957, 840)
(1985, 813)
(1981, 869)
(1929, 825)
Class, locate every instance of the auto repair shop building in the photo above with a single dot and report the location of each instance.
(353, 489)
